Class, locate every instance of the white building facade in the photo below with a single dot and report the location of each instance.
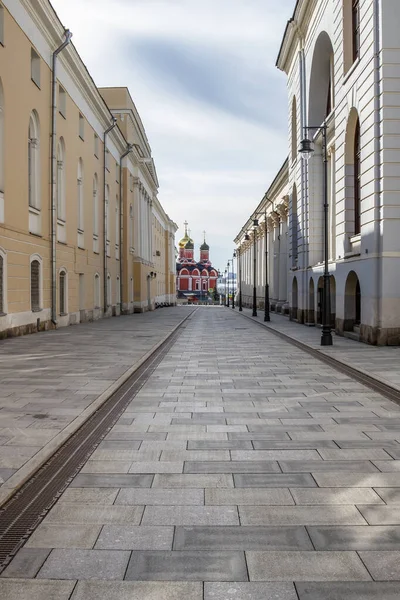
(342, 61)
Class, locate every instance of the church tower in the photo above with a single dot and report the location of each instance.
(204, 250)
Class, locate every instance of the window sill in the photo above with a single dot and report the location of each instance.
(64, 314)
(34, 210)
(36, 84)
(351, 70)
(355, 238)
(62, 114)
(81, 138)
(37, 310)
(61, 222)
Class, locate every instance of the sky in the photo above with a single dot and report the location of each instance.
(203, 77)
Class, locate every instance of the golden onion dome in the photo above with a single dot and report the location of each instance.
(186, 238)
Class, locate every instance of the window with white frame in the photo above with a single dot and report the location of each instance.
(2, 284)
(131, 226)
(33, 162)
(81, 215)
(62, 101)
(117, 227)
(1, 24)
(96, 146)
(97, 290)
(81, 127)
(107, 198)
(35, 67)
(95, 206)
(35, 285)
(61, 212)
(63, 292)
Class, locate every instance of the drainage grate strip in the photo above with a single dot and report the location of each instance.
(20, 516)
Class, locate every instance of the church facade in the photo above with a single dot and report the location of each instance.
(195, 279)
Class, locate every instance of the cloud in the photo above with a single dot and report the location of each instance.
(202, 75)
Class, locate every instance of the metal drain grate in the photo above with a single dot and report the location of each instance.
(26, 509)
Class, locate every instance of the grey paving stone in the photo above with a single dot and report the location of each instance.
(190, 515)
(156, 467)
(354, 454)
(241, 538)
(161, 497)
(389, 495)
(383, 566)
(35, 590)
(195, 455)
(315, 466)
(120, 445)
(134, 436)
(265, 435)
(251, 496)
(388, 466)
(232, 467)
(305, 566)
(94, 515)
(106, 467)
(90, 495)
(358, 479)
(193, 481)
(277, 480)
(249, 591)
(85, 564)
(112, 481)
(187, 566)
(348, 590)
(355, 538)
(136, 590)
(336, 496)
(366, 444)
(300, 515)
(131, 537)
(26, 563)
(64, 536)
(281, 455)
(289, 445)
(220, 445)
(380, 515)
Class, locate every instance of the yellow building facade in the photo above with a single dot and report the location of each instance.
(78, 187)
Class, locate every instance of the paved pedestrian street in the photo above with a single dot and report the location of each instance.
(244, 469)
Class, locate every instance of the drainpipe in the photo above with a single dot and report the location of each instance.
(121, 229)
(107, 131)
(53, 177)
(377, 166)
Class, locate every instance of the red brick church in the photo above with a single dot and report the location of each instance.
(195, 280)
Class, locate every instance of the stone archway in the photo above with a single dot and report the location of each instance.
(311, 302)
(352, 302)
(320, 299)
(295, 299)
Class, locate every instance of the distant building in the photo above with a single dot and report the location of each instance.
(195, 280)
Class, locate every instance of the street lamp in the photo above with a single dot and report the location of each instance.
(239, 255)
(266, 287)
(225, 290)
(227, 266)
(255, 225)
(233, 279)
(306, 150)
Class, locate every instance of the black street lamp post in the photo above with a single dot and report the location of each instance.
(266, 287)
(226, 304)
(227, 266)
(306, 149)
(255, 225)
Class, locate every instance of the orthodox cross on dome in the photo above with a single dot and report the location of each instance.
(186, 226)
(204, 233)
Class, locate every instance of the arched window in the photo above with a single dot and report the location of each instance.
(294, 129)
(321, 91)
(33, 162)
(109, 299)
(107, 224)
(61, 213)
(95, 213)
(2, 284)
(35, 285)
(294, 227)
(1, 153)
(97, 290)
(130, 226)
(81, 208)
(63, 292)
(357, 179)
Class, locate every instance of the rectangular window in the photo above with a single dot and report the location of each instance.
(356, 28)
(35, 285)
(96, 146)
(35, 67)
(81, 127)
(62, 101)
(1, 25)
